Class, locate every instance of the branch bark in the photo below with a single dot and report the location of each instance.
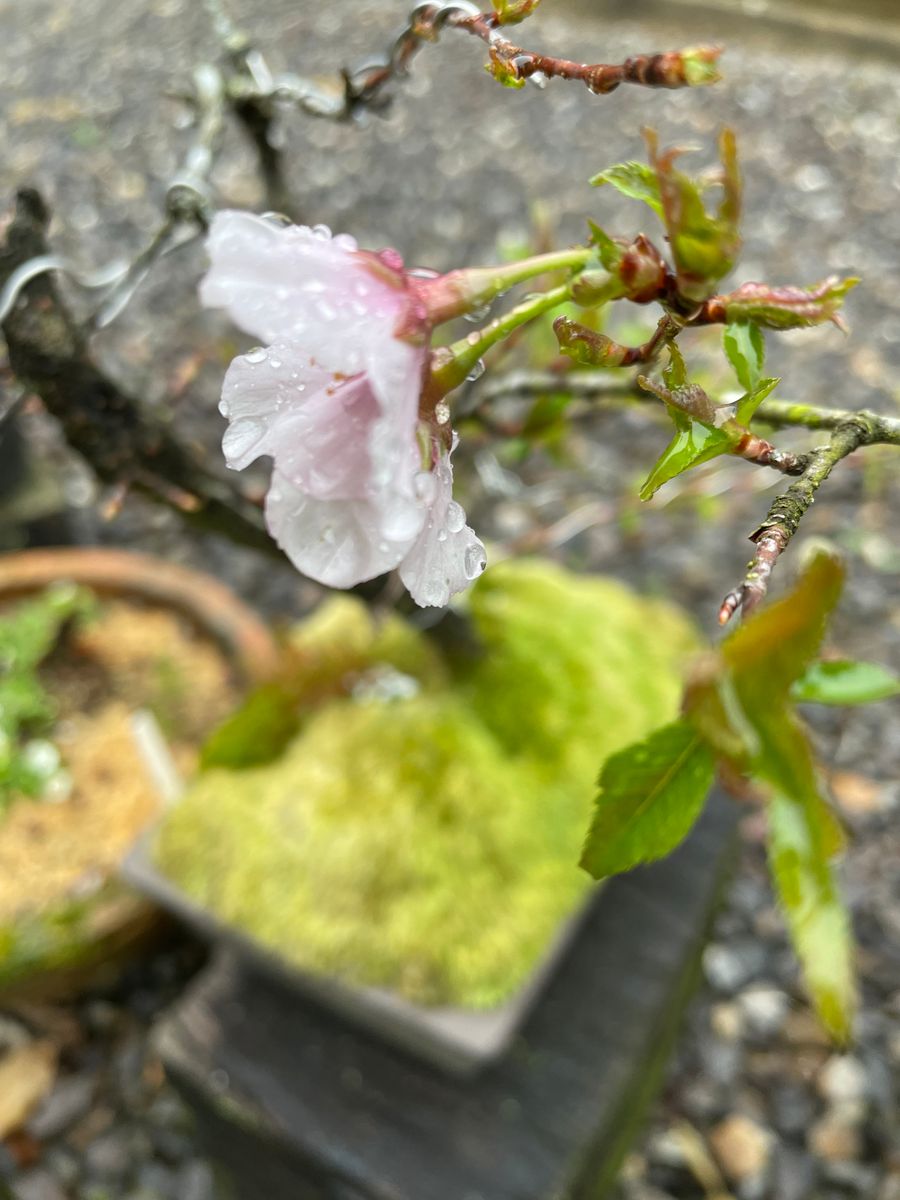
(784, 517)
(119, 438)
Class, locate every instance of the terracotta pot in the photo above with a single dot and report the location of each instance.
(119, 921)
(214, 608)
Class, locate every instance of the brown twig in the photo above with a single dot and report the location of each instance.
(667, 70)
(785, 515)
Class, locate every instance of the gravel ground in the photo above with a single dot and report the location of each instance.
(755, 1105)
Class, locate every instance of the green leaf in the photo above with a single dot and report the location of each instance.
(749, 403)
(819, 924)
(633, 179)
(609, 251)
(845, 682)
(694, 442)
(511, 12)
(504, 72)
(651, 793)
(746, 349)
(740, 702)
(257, 733)
(675, 374)
(788, 307)
(704, 245)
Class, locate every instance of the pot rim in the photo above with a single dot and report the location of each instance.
(212, 606)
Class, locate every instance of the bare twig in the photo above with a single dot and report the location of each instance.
(786, 513)
(669, 70)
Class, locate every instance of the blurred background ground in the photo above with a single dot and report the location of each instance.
(755, 1103)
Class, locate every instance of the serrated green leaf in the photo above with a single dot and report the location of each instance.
(675, 373)
(651, 794)
(633, 179)
(845, 682)
(740, 702)
(820, 927)
(609, 251)
(749, 403)
(694, 443)
(746, 350)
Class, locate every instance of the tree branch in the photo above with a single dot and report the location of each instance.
(125, 446)
(785, 515)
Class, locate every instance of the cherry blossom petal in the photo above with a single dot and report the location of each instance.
(338, 542)
(315, 426)
(447, 555)
(293, 283)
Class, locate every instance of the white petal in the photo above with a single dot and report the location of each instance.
(298, 284)
(337, 542)
(447, 555)
(315, 426)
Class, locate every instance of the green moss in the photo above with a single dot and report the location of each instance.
(428, 843)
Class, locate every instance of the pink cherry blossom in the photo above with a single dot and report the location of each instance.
(333, 398)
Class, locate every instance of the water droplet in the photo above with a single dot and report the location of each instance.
(456, 517)
(442, 413)
(539, 79)
(257, 355)
(277, 218)
(322, 232)
(477, 314)
(442, 535)
(474, 560)
(275, 363)
(476, 372)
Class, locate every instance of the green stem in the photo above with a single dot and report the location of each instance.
(455, 362)
(875, 427)
(462, 291)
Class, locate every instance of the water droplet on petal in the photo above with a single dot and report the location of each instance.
(276, 218)
(322, 232)
(275, 363)
(474, 560)
(257, 355)
(456, 518)
(442, 535)
(476, 372)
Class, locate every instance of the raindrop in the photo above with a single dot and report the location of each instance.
(539, 79)
(477, 314)
(476, 372)
(277, 218)
(456, 517)
(442, 535)
(274, 363)
(257, 355)
(322, 232)
(474, 560)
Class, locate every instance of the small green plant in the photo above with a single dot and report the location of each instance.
(29, 763)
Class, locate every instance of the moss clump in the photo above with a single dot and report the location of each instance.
(428, 843)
